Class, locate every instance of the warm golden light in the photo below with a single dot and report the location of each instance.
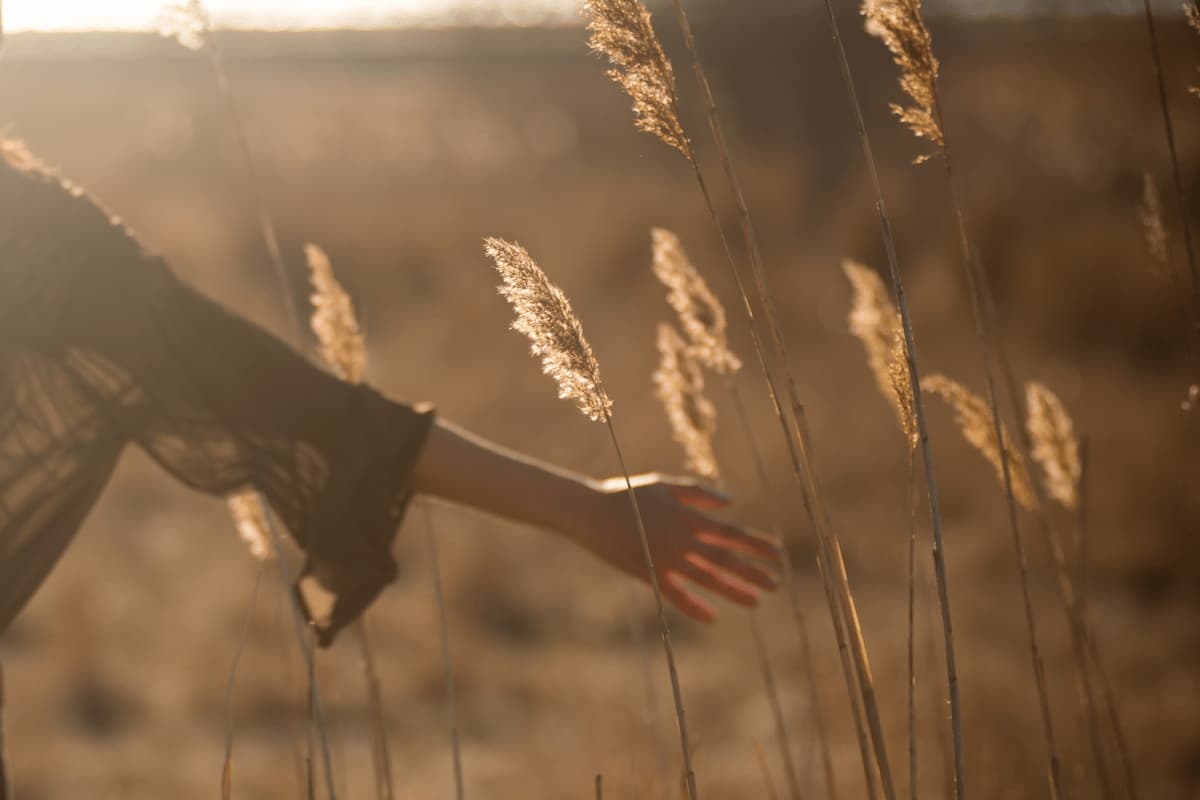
(77, 15)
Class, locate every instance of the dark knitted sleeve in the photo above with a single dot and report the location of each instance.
(102, 346)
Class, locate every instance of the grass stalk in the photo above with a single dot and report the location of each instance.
(447, 662)
(768, 785)
(599, 787)
(983, 338)
(1185, 219)
(649, 695)
(676, 690)
(381, 761)
(912, 638)
(789, 585)
(227, 761)
(5, 788)
(889, 242)
(772, 690)
(758, 271)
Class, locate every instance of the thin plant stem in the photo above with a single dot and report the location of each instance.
(758, 271)
(796, 460)
(271, 241)
(447, 663)
(227, 763)
(765, 770)
(789, 584)
(599, 787)
(1185, 219)
(772, 689)
(380, 757)
(910, 349)
(912, 638)
(649, 695)
(677, 692)
(5, 789)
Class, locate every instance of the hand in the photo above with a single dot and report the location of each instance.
(686, 543)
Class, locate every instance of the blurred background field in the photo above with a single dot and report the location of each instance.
(397, 151)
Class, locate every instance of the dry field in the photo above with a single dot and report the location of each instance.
(397, 153)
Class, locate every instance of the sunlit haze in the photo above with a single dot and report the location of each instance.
(44, 15)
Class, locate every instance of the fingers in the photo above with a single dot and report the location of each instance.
(686, 601)
(694, 494)
(733, 537)
(708, 577)
(755, 576)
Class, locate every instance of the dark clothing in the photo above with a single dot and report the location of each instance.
(102, 346)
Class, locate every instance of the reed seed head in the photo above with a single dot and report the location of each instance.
(555, 334)
(875, 322)
(622, 31)
(188, 23)
(679, 386)
(700, 312)
(1055, 447)
(250, 518)
(899, 24)
(974, 418)
(1150, 213)
(333, 320)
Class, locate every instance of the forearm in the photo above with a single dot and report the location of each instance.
(458, 466)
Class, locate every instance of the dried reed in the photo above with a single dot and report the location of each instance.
(799, 454)
(701, 314)
(1192, 12)
(250, 519)
(260, 523)
(772, 690)
(1055, 447)
(1181, 202)
(973, 416)
(679, 386)
(918, 414)
(333, 321)
(1150, 213)
(5, 789)
(679, 383)
(899, 24)
(902, 29)
(545, 317)
(439, 597)
(188, 22)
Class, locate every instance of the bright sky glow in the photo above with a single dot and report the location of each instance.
(44, 15)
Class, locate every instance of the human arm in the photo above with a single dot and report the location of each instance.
(688, 545)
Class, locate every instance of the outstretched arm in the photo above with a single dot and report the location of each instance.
(688, 544)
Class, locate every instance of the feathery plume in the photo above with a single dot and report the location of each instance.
(1150, 213)
(333, 319)
(679, 386)
(1192, 12)
(545, 316)
(621, 30)
(1055, 447)
(700, 312)
(902, 391)
(898, 23)
(874, 321)
(974, 418)
(250, 518)
(187, 22)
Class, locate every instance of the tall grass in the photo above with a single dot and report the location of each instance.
(545, 316)
(621, 30)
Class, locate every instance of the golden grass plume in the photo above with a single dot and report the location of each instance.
(1150, 214)
(250, 518)
(187, 22)
(974, 418)
(339, 337)
(1192, 12)
(622, 31)
(679, 386)
(700, 312)
(1055, 447)
(545, 316)
(875, 322)
(899, 24)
